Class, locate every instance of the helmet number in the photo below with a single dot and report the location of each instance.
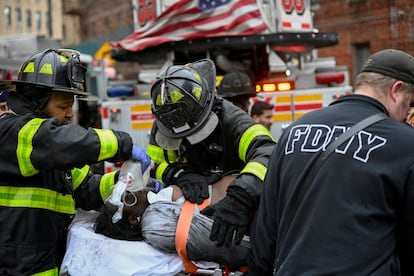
(145, 11)
(290, 5)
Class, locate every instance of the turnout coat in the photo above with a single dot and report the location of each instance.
(44, 176)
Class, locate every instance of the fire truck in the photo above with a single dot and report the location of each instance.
(283, 59)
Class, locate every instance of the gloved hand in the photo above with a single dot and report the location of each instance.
(195, 186)
(155, 185)
(230, 217)
(138, 154)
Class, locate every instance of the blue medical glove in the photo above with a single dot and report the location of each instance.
(155, 185)
(138, 154)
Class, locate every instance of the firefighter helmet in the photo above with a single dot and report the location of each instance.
(234, 84)
(59, 70)
(182, 99)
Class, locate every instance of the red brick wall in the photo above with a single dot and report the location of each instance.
(103, 17)
(365, 22)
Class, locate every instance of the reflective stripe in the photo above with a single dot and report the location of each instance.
(25, 146)
(109, 143)
(160, 170)
(78, 175)
(29, 67)
(31, 197)
(255, 168)
(47, 69)
(50, 272)
(157, 154)
(249, 135)
(106, 185)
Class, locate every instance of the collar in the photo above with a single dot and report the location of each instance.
(362, 99)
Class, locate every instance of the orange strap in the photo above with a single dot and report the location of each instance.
(181, 233)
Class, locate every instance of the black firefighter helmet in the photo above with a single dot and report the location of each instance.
(59, 70)
(182, 100)
(235, 84)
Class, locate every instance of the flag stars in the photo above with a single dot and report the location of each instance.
(211, 4)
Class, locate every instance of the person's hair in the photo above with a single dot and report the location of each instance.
(258, 107)
(122, 230)
(379, 82)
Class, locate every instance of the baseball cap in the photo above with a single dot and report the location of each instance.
(393, 63)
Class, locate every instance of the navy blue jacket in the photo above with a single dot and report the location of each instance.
(357, 216)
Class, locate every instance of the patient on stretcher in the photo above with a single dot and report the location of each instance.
(153, 217)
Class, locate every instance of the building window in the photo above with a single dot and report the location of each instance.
(85, 31)
(29, 19)
(64, 31)
(38, 19)
(107, 25)
(7, 16)
(120, 20)
(360, 53)
(47, 23)
(18, 17)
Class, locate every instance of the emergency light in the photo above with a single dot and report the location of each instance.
(275, 86)
(330, 77)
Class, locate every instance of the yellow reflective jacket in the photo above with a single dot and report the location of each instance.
(43, 178)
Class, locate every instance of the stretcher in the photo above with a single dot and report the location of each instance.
(89, 253)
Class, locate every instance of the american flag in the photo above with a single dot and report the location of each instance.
(192, 19)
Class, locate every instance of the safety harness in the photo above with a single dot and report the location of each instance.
(181, 234)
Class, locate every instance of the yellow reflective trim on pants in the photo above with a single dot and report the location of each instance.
(50, 272)
(249, 135)
(109, 143)
(160, 170)
(255, 168)
(78, 175)
(25, 146)
(106, 185)
(157, 154)
(31, 197)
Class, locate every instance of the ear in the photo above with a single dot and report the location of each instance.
(133, 219)
(394, 90)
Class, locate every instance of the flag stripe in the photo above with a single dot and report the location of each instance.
(184, 21)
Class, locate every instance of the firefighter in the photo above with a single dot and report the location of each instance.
(198, 137)
(237, 87)
(353, 215)
(44, 174)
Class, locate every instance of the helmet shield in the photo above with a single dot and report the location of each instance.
(182, 101)
(59, 70)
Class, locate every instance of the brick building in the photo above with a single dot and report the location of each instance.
(101, 21)
(364, 27)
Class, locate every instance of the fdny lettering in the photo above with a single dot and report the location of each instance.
(314, 138)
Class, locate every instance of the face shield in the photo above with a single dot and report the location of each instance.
(182, 102)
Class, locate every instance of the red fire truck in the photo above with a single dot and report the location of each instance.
(283, 57)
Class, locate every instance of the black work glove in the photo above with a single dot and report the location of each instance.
(231, 215)
(195, 186)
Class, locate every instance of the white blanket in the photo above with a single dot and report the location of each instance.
(89, 253)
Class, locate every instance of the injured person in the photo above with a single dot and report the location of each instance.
(152, 218)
